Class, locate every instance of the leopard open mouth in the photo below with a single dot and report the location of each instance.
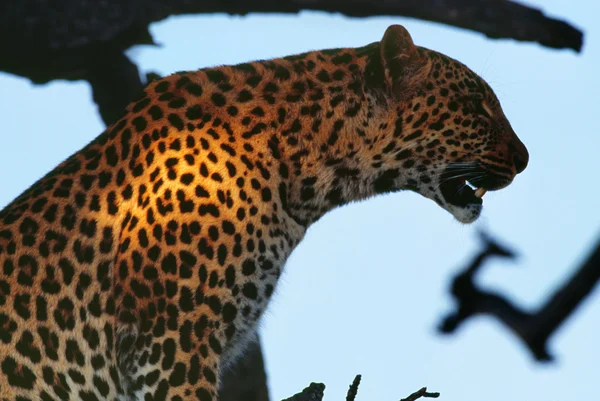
(463, 185)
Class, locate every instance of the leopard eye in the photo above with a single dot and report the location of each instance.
(483, 109)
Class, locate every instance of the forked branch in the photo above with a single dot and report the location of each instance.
(534, 328)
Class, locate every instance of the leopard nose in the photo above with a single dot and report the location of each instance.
(520, 155)
(521, 162)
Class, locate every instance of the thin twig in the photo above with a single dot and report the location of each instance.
(315, 392)
(353, 390)
(421, 393)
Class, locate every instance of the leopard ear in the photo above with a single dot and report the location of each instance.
(404, 68)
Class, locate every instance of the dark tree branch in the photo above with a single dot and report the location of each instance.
(353, 390)
(45, 39)
(246, 380)
(534, 329)
(315, 392)
(568, 297)
(115, 81)
(422, 393)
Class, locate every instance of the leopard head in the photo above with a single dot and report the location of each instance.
(454, 141)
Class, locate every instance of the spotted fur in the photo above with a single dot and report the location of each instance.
(138, 268)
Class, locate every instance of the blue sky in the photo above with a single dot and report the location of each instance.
(365, 290)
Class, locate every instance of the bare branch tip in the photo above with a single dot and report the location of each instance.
(422, 393)
(353, 390)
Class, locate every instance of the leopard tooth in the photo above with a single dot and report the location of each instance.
(480, 192)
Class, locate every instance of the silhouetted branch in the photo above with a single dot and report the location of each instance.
(353, 390)
(422, 393)
(533, 328)
(568, 297)
(71, 25)
(45, 40)
(115, 81)
(315, 392)
(246, 380)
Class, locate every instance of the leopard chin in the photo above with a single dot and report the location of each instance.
(462, 193)
(467, 214)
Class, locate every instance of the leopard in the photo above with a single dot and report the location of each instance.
(139, 267)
